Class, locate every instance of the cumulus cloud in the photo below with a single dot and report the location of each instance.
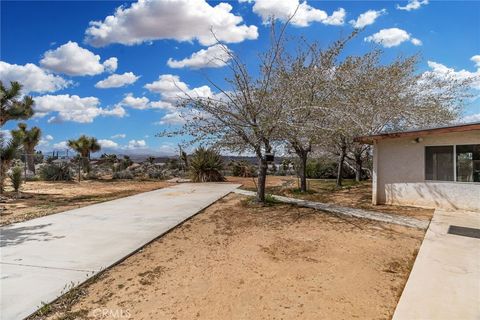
(60, 145)
(392, 37)
(117, 80)
(73, 108)
(443, 71)
(471, 118)
(304, 15)
(107, 144)
(73, 60)
(213, 57)
(413, 5)
(367, 18)
(171, 89)
(136, 144)
(136, 103)
(119, 136)
(33, 78)
(476, 59)
(181, 20)
(45, 140)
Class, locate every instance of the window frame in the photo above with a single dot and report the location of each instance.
(454, 163)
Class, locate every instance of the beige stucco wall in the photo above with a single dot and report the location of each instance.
(399, 174)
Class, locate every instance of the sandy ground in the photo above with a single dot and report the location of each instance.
(352, 195)
(237, 260)
(40, 198)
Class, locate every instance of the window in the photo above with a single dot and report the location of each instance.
(439, 163)
(468, 163)
(453, 163)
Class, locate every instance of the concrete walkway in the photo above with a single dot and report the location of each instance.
(445, 279)
(40, 257)
(351, 212)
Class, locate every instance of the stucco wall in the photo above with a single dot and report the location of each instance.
(399, 174)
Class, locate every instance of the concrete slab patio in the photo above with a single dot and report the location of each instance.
(445, 279)
(40, 257)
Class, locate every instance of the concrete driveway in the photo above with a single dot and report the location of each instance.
(40, 257)
(445, 279)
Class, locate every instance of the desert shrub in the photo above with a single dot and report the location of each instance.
(206, 166)
(56, 172)
(242, 169)
(16, 178)
(156, 174)
(321, 168)
(123, 174)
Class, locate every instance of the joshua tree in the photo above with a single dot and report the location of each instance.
(16, 178)
(84, 146)
(8, 151)
(206, 166)
(29, 140)
(11, 108)
(150, 160)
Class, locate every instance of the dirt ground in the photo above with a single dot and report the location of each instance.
(40, 198)
(237, 260)
(355, 195)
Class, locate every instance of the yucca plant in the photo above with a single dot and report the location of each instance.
(206, 165)
(16, 178)
(8, 151)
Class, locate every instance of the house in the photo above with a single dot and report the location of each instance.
(433, 168)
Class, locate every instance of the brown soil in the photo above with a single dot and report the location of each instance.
(39, 198)
(355, 195)
(237, 260)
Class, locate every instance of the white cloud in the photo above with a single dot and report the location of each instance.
(72, 108)
(136, 144)
(117, 80)
(367, 18)
(471, 118)
(107, 144)
(60, 145)
(33, 78)
(136, 103)
(213, 57)
(181, 20)
(304, 15)
(73, 60)
(5, 134)
(443, 71)
(45, 140)
(476, 59)
(119, 136)
(392, 37)
(413, 5)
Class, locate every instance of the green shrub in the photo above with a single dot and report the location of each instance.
(321, 168)
(56, 172)
(206, 165)
(156, 174)
(123, 174)
(242, 169)
(16, 178)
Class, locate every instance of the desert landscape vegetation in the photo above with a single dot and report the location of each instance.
(288, 128)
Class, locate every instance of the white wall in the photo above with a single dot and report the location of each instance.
(399, 174)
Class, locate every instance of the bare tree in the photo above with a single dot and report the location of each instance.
(306, 86)
(374, 98)
(246, 116)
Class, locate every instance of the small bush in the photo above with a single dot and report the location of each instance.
(206, 166)
(56, 172)
(123, 174)
(242, 169)
(16, 178)
(156, 174)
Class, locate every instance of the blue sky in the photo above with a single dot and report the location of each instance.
(56, 49)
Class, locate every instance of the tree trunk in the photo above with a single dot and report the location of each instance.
(341, 160)
(3, 173)
(30, 158)
(303, 172)
(358, 168)
(262, 178)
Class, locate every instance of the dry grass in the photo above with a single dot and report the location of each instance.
(40, 198)
(353, 194)
(241, 261)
